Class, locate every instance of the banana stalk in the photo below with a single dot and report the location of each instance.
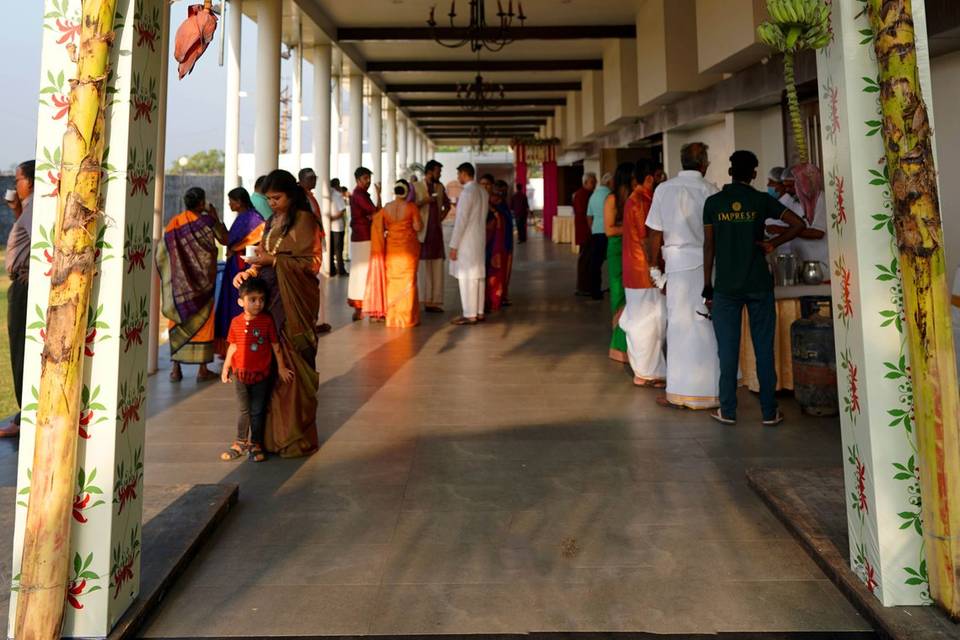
(909, 153)
(46, 546)
(793, 103)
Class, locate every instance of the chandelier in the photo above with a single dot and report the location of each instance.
(479, 135)
(479, 35)
(480, 95)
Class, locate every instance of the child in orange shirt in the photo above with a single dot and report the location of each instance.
(253, 345)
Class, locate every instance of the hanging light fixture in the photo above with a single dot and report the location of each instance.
(479, 95)
(479, 135)
(478, 34)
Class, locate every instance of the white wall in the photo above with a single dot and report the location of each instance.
(718, 136)
(946, 96)
(760, 131)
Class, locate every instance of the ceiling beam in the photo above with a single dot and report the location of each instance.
(473, 66)
(573, 32)
(517, 102)
(462, 113)
(508, 87)
(447, 132)
(488, 121)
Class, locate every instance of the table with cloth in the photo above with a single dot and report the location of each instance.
(788, 311)
(564, 229)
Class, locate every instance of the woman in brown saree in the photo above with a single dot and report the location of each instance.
(288, 260)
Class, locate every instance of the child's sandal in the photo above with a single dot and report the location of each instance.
(236, 450)
(256, 454)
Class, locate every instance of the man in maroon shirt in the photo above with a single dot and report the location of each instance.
(362, 210)
(582, 230)
(520, 207)
(432, 254)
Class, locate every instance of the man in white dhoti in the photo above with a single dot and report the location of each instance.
(362, 210)
(468, 245)
(676, 223)
(434, 208)
(644, 318)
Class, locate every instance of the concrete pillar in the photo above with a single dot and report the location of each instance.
(266, 131)
(560, 126)
(390, 165)
(321, 137)
(355, 138)
(376, 134)
(231, 147)
(402, 139)
(411, 144)
(153, 322)
(336, 118)
(574, 118)
(879, 445)
(104, 543)
(592, 104)
(620, 81)
(321, 121)
(296, 91)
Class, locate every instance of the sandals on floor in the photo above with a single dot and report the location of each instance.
(719, 417)
(650, 384)
(461, 321)
(236, 450)
(255, 453)
(207, 377)
(176, 376)
(775, 420)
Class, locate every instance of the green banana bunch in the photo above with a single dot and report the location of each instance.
(796, 25)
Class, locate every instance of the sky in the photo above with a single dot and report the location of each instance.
(195, 115)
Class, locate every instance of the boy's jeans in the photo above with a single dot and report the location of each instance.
(253, 399)
(727, 324)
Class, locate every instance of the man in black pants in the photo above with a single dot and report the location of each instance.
(17, 264)
(338, 212)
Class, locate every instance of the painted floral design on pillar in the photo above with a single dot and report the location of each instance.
(107, 506)
(876, 420)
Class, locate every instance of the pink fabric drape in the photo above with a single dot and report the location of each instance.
(522, 173)
(550, 196)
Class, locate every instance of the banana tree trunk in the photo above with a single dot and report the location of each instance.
(46, 546)
(909, 149)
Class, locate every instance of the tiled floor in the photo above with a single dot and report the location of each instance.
(502, 478)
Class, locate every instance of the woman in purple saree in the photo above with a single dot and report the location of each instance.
(246, 230)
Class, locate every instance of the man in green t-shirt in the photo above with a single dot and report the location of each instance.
(733, 224)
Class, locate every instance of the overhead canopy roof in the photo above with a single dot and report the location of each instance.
(389, 41)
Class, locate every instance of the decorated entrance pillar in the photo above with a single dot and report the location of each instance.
(880, 448)
(105, 530)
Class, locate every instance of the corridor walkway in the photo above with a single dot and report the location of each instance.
(503, 478)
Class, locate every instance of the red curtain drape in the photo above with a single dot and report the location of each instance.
(550, 196)
(520, 163)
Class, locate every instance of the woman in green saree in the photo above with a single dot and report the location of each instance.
(613, 227)
(288, 259)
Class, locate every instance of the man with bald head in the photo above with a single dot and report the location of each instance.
(676, 224)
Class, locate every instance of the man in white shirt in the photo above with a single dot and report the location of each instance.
(468, 245)
(338, 213)
(676, 223)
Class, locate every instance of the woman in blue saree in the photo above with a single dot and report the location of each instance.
(245, 231)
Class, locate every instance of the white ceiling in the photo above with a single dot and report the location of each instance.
(337, 14)
(414, 13)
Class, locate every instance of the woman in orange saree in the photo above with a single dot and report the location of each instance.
(288, 260)
(187, 262)
(375, 296)
(401, 221)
